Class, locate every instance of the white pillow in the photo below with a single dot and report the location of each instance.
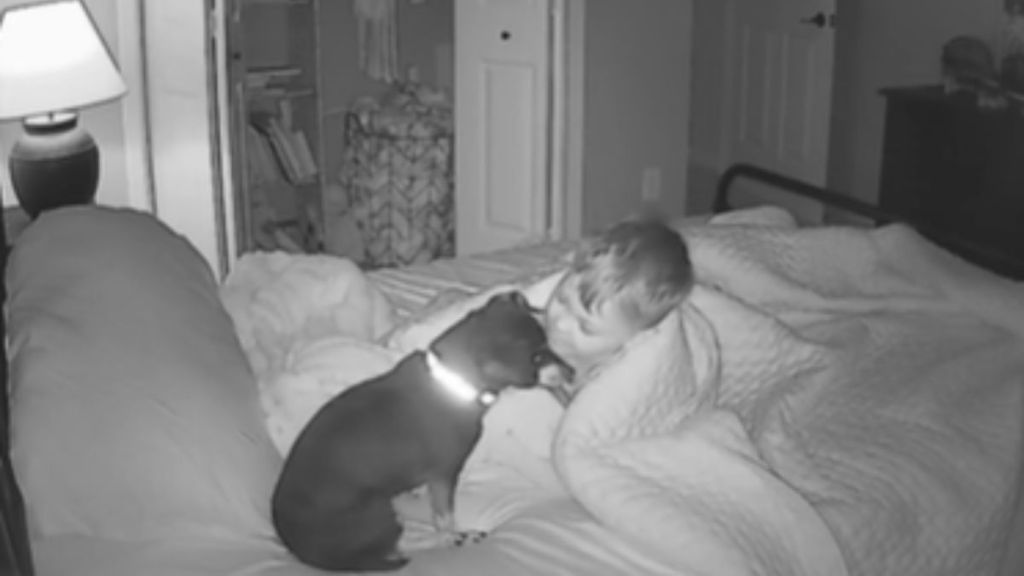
(134, 412)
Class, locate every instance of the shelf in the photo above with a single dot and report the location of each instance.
(284, 3)
(280, 93)
(275, 72)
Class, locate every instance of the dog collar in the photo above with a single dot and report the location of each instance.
(455, 384)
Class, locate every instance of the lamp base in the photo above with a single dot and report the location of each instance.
(54, 163)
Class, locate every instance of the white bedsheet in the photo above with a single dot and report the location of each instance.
(853, 403)
(557, 539)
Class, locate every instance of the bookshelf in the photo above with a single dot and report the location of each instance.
(276, 120)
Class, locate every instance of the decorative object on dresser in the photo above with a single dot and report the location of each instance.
(52, 63)
(956, 169)
(969, 68)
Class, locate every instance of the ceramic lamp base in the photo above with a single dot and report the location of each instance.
(54, 163)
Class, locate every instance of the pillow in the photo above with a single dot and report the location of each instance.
(134, 412)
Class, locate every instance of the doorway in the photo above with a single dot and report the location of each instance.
(763, 93)
(399, 166)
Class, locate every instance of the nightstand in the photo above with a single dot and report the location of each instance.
(956, 169)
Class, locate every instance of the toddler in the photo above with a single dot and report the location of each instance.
(619, 283)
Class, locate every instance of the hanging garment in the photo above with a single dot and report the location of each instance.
(376, 22)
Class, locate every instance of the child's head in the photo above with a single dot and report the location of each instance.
(621, 282)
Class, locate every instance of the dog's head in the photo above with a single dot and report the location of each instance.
(500, 345)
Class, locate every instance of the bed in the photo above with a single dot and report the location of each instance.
(834, 400)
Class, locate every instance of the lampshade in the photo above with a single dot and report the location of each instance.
(53, 59)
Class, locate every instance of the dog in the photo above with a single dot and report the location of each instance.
(412, 426)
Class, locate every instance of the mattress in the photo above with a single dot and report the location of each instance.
(559, 536)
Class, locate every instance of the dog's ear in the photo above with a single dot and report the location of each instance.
(514, 297)
(520, 300)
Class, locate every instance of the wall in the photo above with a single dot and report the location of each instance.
(708, 151)
(882, 43)
(116, 126)
(636, 105)
(182, 132)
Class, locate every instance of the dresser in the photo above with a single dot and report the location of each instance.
(956, 170)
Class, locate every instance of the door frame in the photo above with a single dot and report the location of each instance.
(131, 57)
(565, 124)
(569, 51)
(229, 221)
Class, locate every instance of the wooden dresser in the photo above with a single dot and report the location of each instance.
(953, 168)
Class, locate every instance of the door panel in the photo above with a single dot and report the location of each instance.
(783, 59)
(501, 100)
(508, 164)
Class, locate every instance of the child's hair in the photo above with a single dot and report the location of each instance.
(642, 265)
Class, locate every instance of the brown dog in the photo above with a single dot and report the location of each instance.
(411, 426)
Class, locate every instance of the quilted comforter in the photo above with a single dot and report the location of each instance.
(829, 401)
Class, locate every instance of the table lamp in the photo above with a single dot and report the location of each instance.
(53, 62)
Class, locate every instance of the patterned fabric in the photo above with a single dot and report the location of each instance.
(397, 170)
(411, 288)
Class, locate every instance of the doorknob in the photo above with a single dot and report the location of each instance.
(818, 20)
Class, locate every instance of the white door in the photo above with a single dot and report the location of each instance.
(502, 59)
(781, 90)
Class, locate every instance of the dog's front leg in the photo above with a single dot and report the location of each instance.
(442, 503)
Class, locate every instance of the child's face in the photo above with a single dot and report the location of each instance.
(584, 338)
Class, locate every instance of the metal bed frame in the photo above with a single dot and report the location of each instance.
(1008, 265)
(15, 544)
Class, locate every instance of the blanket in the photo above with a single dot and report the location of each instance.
(829, 401)
(307, 324)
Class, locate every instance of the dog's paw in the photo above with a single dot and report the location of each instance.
(444, 522)
(397, 557)
(468, 537)
(458, 539)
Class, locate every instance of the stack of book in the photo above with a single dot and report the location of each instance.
(278, 149)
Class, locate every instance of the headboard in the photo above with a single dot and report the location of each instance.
(842, 204)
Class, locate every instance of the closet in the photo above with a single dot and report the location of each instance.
(343, 134)
(340, 144)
